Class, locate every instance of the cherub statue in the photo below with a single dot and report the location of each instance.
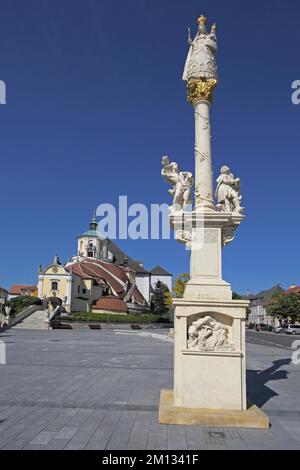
(182, 182)
(228, 192)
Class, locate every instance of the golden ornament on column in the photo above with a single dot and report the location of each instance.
(201, 90)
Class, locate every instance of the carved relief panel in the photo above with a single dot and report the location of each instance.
(211, 332)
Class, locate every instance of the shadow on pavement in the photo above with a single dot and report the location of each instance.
(257, 390)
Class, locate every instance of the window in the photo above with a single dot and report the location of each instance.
(78, 289)
(90, 254)
(54, 285)
(84, 291)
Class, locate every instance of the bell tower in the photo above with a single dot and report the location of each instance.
(89, 243)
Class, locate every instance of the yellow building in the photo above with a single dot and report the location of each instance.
(100, 278)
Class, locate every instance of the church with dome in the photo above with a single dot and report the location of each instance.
(100, 278)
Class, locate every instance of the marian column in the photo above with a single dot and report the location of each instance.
(209, 349)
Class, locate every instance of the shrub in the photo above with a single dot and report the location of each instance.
(21, 302)
(113, 318)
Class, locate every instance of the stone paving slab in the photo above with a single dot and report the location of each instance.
(100, 390)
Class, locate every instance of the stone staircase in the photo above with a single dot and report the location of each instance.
(35, 321)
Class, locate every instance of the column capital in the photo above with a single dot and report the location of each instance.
(201, 90)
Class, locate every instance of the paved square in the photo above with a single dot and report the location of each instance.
(100, 390)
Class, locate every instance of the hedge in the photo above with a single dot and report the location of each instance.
(113, 318)
(21, 302)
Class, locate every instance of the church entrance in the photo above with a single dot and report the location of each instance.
(54, 301)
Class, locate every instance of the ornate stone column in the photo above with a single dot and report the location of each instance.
(200, 96)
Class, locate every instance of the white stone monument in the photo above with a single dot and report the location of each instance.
(209, 362)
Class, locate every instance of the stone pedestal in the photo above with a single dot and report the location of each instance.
(210, 385)
(209, 365)
(206, 232)
(213, 379)
(201, 372)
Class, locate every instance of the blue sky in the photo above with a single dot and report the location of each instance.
(95, 98)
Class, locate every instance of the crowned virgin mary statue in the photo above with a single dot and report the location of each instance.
(201, 59)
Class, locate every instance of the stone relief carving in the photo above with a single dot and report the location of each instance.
(182, 182)
(184, 236)
(207, 334)
(201, 59)
(228, 192)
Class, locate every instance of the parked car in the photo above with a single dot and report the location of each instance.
(293, 330)
(279, 329)
(263, 327)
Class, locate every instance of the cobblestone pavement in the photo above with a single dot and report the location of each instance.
(100, 390)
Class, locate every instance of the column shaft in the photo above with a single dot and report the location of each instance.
(203, 158)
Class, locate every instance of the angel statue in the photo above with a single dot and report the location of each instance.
(228, 192)
(182, 182)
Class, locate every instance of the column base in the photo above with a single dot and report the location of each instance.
(207, 289)
(252, 417)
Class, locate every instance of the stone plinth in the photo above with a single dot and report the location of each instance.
(209, 332)
(204, 378)
(210, 385)
(253, 417)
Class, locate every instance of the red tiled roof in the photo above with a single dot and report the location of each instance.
(16, 289)
(136, 295)
(100, 271)
(293, 290)
(110, 303)
(106, 273)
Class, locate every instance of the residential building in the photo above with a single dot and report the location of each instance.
(22, 289)
(258, 303)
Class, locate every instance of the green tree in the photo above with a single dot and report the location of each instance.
(180, 283)
(285, 306)
(168, 300)
(159, 303)
(236, 296)
(21, 302)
